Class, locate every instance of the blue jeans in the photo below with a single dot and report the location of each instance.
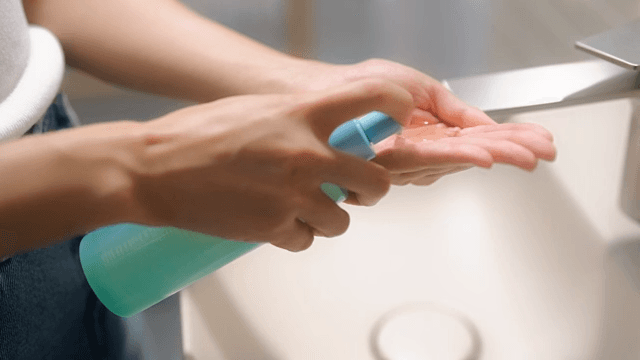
(47, 309)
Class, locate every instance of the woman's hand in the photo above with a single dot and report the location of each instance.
(432, 101)
(421, 155)
(250, 167)
(459, 136)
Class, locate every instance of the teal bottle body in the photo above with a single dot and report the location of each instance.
(131, 267)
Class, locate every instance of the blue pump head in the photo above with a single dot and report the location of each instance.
(356, 136)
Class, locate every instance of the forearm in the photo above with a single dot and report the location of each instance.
(162, 47)
(62, 184)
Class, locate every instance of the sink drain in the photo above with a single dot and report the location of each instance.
(425, 332)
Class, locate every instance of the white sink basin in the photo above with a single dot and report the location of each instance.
(532, 259)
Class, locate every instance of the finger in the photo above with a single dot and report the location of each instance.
(433, 168)
(401, 154)
(369, 181)
(352, 199)
(509, 126)
(502, 151)
(411, 177)
(325, 216)
(299, 238)
(425, 181)
(540, 146)
(428, 172)
(431, 172)
(420, 117)
(448, 108)
(326, 110)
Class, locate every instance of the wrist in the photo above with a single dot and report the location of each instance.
(302, 75)
(288, 74)
(65, 183)
(275, 74)
(103, 159)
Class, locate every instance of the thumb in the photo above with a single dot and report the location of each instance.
(453, 111)
(328, 109)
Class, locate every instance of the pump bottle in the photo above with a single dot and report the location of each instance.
(131, 267)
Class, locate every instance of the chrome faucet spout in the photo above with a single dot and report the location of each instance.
(509, 93)
(612, 76)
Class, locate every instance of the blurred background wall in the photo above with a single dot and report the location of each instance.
(445, 38)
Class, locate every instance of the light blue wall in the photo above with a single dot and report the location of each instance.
(444, 37)
(263, 20)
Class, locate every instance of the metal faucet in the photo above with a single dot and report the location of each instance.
(615, 75)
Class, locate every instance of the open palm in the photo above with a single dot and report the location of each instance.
(446, 135)
(421, 155)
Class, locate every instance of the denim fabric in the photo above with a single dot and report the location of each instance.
(47, 309)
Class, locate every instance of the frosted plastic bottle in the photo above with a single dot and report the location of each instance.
(131, 267)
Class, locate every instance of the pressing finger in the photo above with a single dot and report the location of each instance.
(328, 109)
(448, 108)
(368, 180)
